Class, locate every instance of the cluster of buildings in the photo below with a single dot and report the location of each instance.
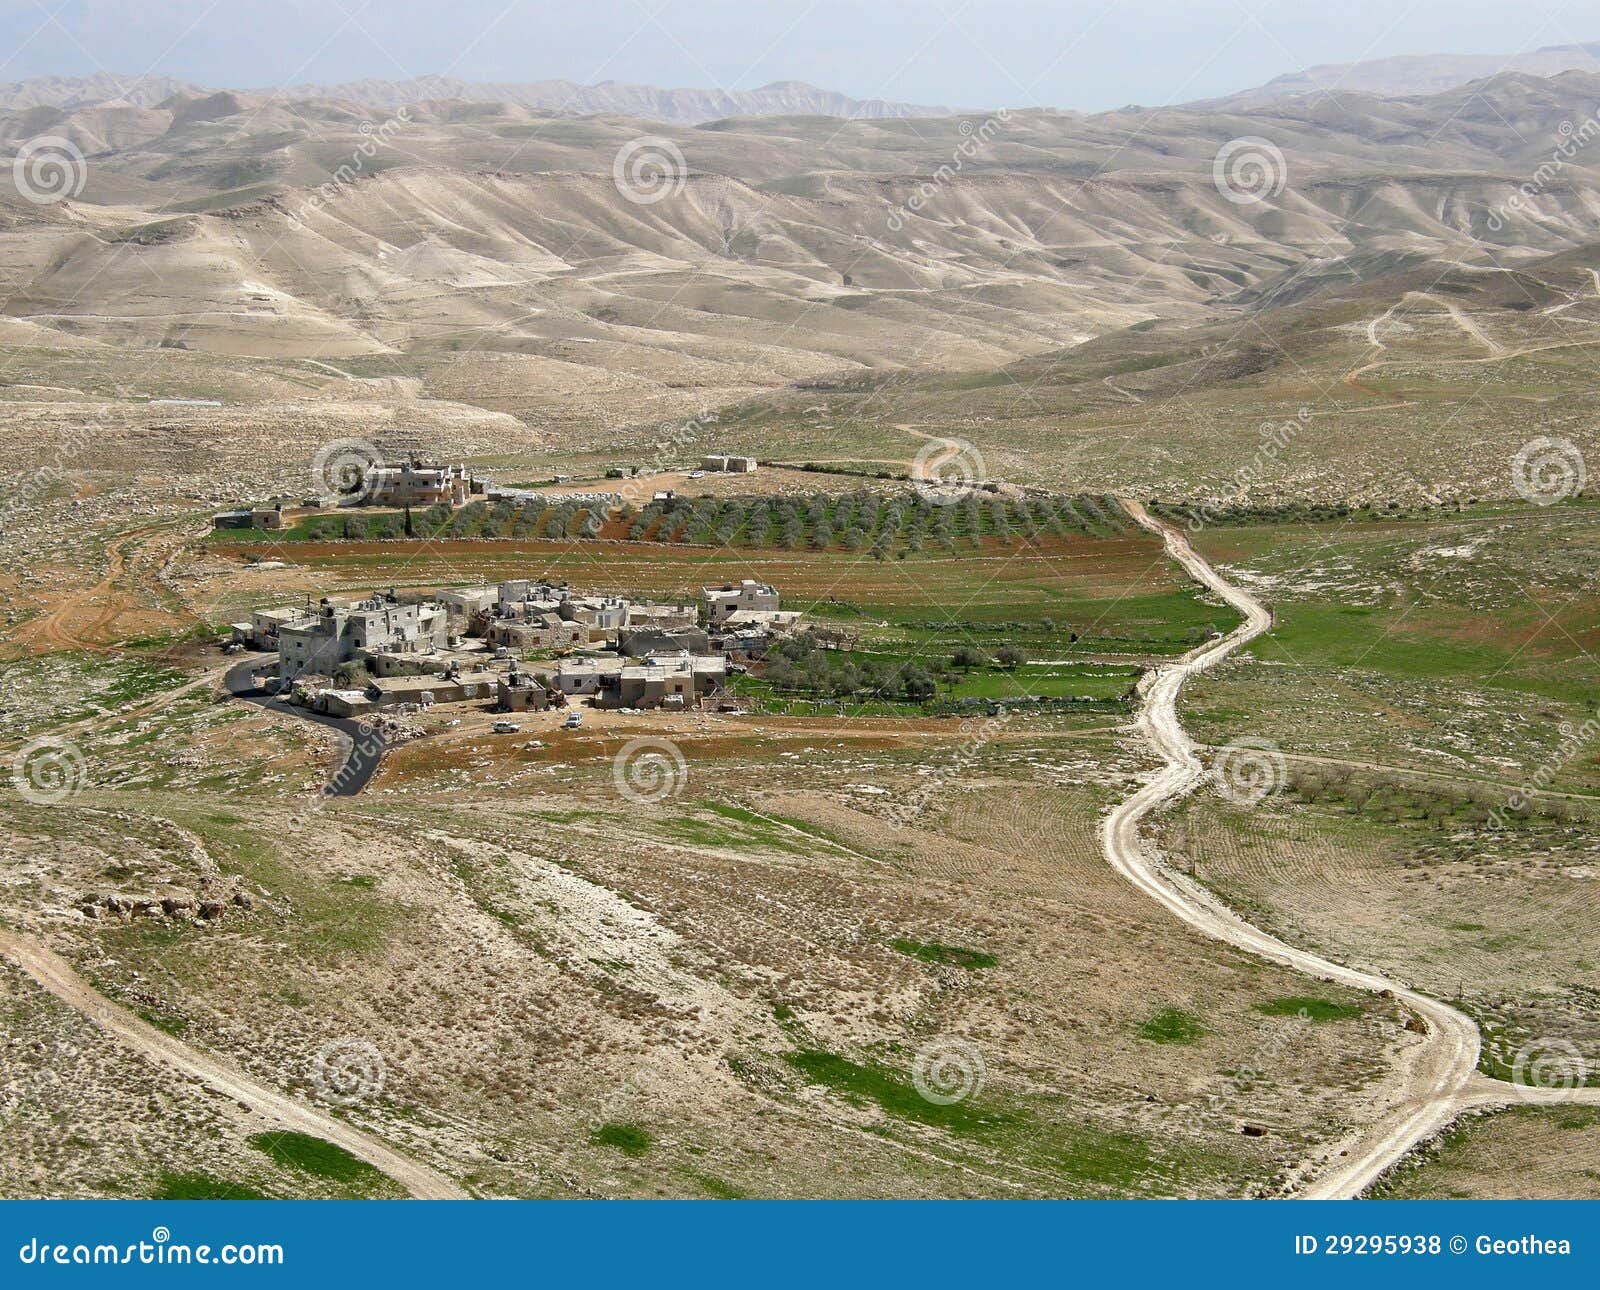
(474, 644)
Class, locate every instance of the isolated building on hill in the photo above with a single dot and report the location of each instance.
(250, 517)
(413, 484)
(732, 465)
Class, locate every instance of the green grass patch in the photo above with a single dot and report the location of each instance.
(1084, 1160)
(715, 1187)
(332, 918)
(177, 1027)
(193, 1185)
(737, 828)
(1310, 1007)
(892, 1091)
(934, 952)
(317, 1157)
(1172, 1026)
(629, 1139)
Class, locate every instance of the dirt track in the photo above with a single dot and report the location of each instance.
(1437, 1079)
(87, 619)
(56, 975)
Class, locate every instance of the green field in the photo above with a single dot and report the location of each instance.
(1466, 644)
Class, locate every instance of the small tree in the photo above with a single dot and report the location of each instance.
(1011, 657)
(969, 657)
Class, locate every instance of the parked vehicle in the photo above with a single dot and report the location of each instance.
(573, 721)
(506, 727)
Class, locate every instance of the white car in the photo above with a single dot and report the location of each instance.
(573, 721)
(506, 727)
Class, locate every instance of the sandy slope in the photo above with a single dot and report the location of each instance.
(56, 975)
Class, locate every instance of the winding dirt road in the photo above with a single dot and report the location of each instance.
(56, 975)
(1436, 1080)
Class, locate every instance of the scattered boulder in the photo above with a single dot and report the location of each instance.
(1253, 1130)
(1416, 1025)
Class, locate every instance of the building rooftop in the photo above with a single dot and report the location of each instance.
(590, 666)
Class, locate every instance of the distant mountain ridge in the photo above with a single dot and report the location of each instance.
(1411, 75)
(610, 98)
(72, 92)
(618, 98)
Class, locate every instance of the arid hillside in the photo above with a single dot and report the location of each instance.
(593, 278)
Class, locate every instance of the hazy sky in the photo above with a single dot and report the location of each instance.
(973, 54)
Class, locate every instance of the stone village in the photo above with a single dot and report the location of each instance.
(517, 646)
